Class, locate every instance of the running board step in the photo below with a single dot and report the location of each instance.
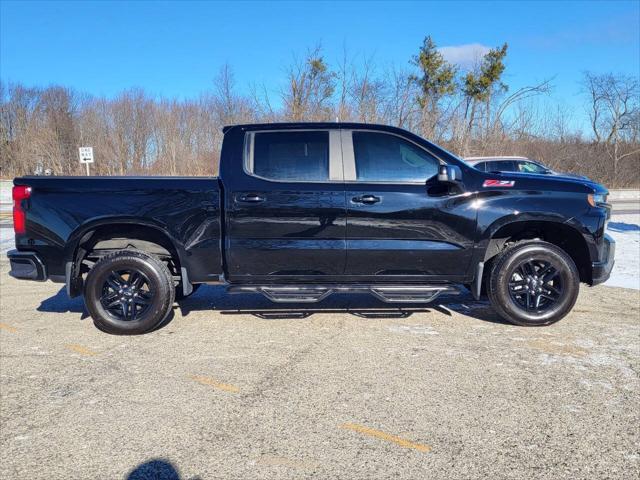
(316, 293)
(413, 294)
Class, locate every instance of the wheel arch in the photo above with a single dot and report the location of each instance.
(560, 234)
(116, 233)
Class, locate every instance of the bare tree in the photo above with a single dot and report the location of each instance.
(399, 110)
(310, 88)
(614, 103)
(366, 94)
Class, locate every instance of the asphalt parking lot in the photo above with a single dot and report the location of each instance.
(237, 388)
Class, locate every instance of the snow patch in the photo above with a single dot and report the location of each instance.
(625, 230)
(413, 329)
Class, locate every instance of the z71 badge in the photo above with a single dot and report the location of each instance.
(499, 183)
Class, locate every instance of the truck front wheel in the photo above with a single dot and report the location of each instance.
(129, 292)
(533, 283)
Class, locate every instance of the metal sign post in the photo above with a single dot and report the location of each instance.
(86, 156)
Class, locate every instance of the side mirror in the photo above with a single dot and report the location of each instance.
(449, 174)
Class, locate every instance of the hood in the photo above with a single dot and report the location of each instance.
(571, 175)
(531, 180)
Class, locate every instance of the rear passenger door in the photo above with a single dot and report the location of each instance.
(395, 228)
(286, 216)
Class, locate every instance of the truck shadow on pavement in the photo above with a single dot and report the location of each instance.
(61, 303)
(215, 298)
(623, 227)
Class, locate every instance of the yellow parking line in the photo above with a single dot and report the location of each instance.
(386, 436)
(210, 381)
(80, 349)
(8, 328)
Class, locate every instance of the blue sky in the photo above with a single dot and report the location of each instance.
(175, 49)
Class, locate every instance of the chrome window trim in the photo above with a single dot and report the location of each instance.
(336, 173)
(349, 158)
(335, 155)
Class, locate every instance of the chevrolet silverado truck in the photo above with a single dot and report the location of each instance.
(303, 210)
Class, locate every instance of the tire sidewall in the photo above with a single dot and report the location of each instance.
(535, 251)
(155, 313)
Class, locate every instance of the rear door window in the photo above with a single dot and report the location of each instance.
(291, 156)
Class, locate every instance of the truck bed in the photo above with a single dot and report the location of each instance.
(187, 209)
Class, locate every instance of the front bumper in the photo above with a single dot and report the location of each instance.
(26, 266)
(601, 270)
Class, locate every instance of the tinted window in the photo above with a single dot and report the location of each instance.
(387, 158)
(504, 166)
(482, 166)
(530, 167)
(291, 155)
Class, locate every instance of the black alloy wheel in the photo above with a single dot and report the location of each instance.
(536, 285)
(126, 294)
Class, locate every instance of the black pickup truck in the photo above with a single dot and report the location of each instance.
(303, 210)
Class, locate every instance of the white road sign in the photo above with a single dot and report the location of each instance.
(86, 154)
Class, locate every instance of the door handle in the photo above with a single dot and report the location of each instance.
(366, 199)
(250, 198)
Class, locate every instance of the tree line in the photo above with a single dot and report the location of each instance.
(470, 111)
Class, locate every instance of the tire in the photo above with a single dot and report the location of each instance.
(129, 292)
(533, 283)
(181, 296)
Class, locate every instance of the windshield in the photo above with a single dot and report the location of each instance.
(532, 167)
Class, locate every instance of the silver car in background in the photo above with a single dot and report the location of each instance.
(515, 164)
(507, 164)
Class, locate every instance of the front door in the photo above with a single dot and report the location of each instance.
(286, 217)
(394, 227)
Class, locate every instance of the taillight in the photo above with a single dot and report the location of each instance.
(20, 193)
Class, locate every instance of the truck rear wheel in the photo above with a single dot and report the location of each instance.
(129, 292)
(533, 283)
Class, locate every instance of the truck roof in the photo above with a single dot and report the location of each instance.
(303, 125)
(347, 126)
(503, 158)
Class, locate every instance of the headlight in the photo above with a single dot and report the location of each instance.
(596, 199)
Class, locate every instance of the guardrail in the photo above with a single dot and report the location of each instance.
(628, 194)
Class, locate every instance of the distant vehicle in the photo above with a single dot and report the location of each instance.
(304, 210)
(508, 164)
(40, 170)
(515, 164)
